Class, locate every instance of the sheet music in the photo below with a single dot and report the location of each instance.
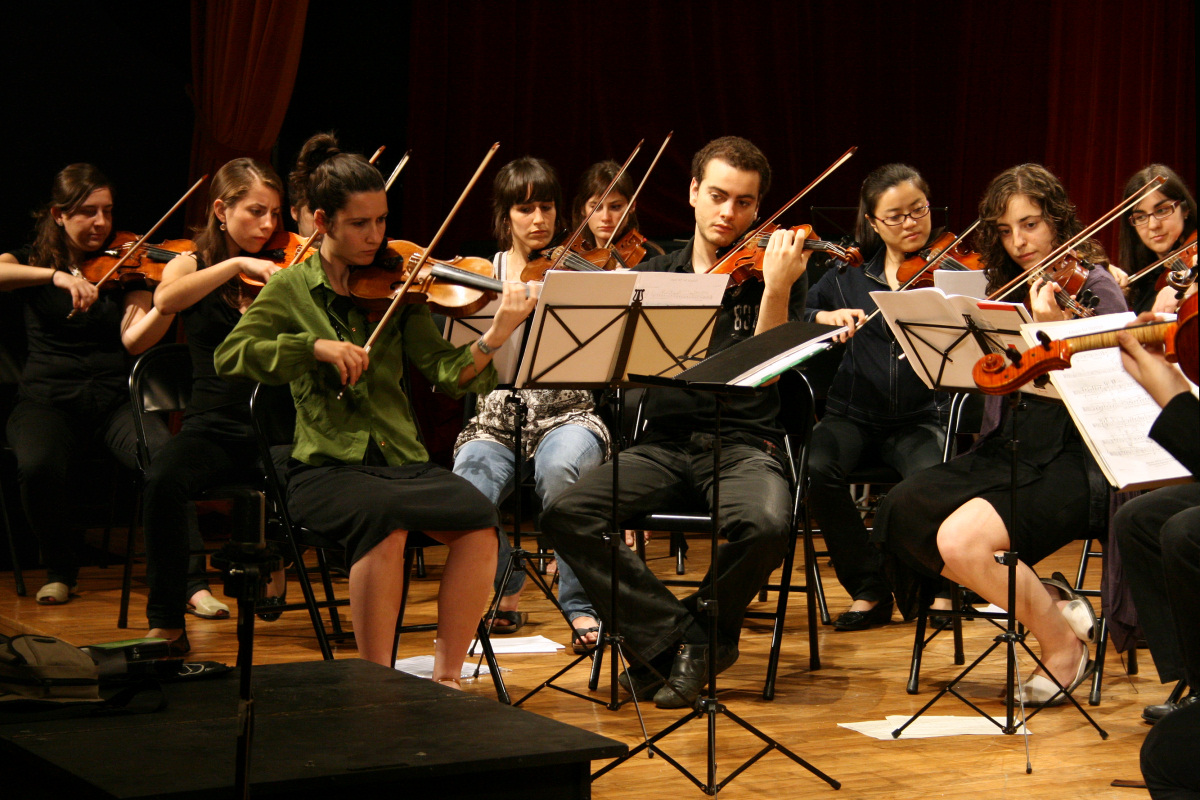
(934, 324)
(582, 319)
(1111, 410)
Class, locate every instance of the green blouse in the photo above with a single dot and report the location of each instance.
(273, 344)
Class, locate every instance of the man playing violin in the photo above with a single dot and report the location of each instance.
(672, 463)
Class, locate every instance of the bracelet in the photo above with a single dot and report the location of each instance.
(484, 348)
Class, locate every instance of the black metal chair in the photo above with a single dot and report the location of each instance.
(797, 417)
(161, 383)
(274, 415)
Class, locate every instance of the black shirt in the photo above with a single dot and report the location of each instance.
(216, 405)
(677, 413)
(78, 364)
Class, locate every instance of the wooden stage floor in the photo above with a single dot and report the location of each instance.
(863, 677)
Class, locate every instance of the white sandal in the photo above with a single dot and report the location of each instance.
(209, 608)
(55, 593)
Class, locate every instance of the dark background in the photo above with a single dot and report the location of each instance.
(1095, 90)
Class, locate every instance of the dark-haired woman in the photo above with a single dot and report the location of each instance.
(561, 433)
(1157, 226)
(601, 229)
(358, 472)
(74, 388)
(877, 408)
(216, 443)
(951, 519)
(311, 153)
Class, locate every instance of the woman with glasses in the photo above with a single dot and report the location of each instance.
(950, 520)
(1157, 226)
(877, 408)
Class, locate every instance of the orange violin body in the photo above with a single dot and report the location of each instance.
(145, 265)
(747, 261)
(959, 258)
(282, 248)
(373, 286)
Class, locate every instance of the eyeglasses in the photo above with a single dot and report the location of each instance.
(1139, 218)
(898, 219)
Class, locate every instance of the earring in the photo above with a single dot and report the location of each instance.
(222, 226)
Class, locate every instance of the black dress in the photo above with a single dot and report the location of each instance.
(1060, 490)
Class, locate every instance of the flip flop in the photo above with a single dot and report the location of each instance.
(515, 621)
(209, 608)
(579, 642)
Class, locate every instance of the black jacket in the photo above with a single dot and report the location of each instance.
(872, 385)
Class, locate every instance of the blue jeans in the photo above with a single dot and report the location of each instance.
(562, 456)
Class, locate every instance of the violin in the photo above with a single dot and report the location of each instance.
(1177, 268)
(1070, 273)
(283, 248)
(995, 375)
(913, 272)
(135, 263)
(374, 286)
(746, 261)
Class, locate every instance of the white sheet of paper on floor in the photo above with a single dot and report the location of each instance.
(514, 645)
(422, 667)
(928, 727)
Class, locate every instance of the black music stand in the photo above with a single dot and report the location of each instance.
(589, 331)
(944, 355)
(739, 370)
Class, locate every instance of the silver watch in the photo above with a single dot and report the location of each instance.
(484, 347)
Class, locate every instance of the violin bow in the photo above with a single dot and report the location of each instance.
(638, 190)
(750, 236)
(565, 248)
(1087, 232)
(399, 295)
(312, 237)
(396, 172)
(1143, 272)
(933, 262)
(134, 247)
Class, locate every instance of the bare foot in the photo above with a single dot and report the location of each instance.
(450, 683)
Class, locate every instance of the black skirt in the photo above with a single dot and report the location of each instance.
(359, 506)
(1052, 499)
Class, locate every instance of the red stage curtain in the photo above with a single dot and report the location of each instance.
(962, 91)
(244, 58)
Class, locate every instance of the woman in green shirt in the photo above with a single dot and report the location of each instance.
(358, 472)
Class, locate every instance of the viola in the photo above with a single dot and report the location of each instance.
(995, 375)
(913, 270)
(374, 286)
(135, 263)
(746, 261)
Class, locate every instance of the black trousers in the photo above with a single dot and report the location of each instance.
(1159, 537)
(183, 468)
(1171, 756)
(756, 520)
(839, 446)
(48, 442)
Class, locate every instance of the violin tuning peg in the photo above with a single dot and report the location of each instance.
(1014, 355)
(1044, 338)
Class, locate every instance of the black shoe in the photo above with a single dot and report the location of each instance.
(1153, 714)
(689, 673)
(881, 614)
(642, 680)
